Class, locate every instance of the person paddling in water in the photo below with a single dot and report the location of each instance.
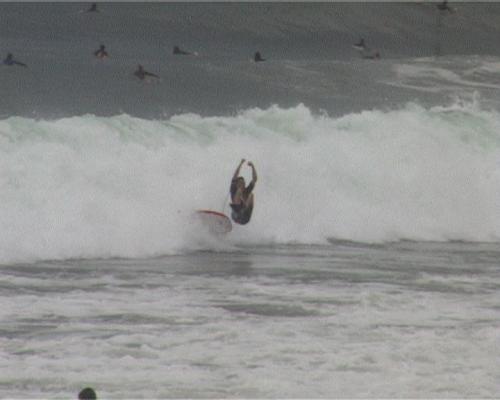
(93, 8)
(101, 53)
(178, 52)
(242, 196)
(9, 60)
(142, 74)
(258, 58)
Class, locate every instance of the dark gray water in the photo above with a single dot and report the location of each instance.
(308, 47)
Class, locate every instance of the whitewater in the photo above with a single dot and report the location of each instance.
(86, 187)
(369, 268)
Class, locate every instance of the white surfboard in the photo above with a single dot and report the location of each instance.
(215, 221)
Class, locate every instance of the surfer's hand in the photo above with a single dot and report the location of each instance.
(242, 161)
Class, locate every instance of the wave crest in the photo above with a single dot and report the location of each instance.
(124, 187)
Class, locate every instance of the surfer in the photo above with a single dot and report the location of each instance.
(9, 60)
(93, 8)
(241, 195)
(101, 53)
(365, 51)
(360, 45)
(444, 6)
(257, 57)
(142, 74)
(178, 52)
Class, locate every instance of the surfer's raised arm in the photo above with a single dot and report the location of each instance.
(254, 172)
(237, 172)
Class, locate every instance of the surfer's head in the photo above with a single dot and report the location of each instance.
(240, 182)
(87, 394)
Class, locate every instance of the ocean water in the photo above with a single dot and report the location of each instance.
(370, 268)
(339, 320)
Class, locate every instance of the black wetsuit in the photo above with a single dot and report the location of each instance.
(257, 57)
(241, 214)
(178, 51)
(9, 60)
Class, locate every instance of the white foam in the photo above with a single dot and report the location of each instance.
(428, 76)
(124, 187)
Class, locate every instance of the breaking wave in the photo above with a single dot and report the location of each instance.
(88, 186)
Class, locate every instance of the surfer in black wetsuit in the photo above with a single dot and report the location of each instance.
(360, 45)
(142, 74)
(93, 8)
(101, 53)
(365, 51)
(9, 60)
(178, 52)
(444, 6)
(257, 57)
(242, 196)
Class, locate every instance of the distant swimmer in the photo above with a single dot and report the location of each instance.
(444, 6)
(360, 45)
(365, 51)
(142, 74)
(9, 60)
(177, 51)
(242, 196)
(257, 57)
(87, 394)
(93, 8)
(101, 52)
